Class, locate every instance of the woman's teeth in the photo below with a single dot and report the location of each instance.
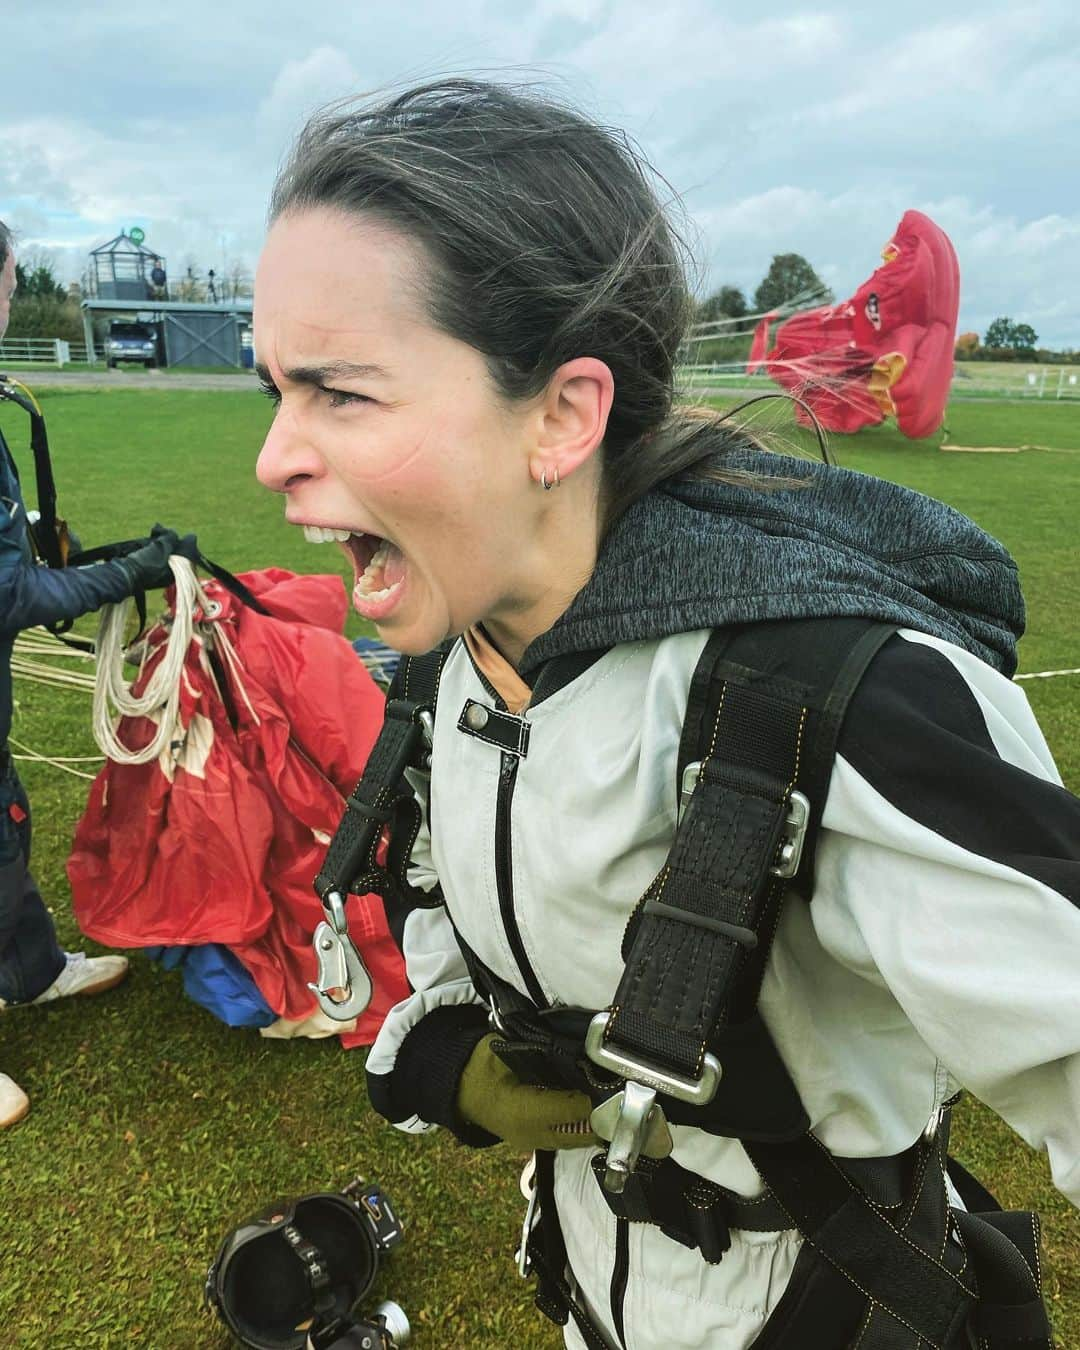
(320, 534)
(372, 573)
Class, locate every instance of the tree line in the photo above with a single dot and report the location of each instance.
(1005, 340)
(789, 277)
(42, 307)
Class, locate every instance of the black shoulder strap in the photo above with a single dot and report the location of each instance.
(759, 738)
(382, 797)
(44, 533)
(816, 663)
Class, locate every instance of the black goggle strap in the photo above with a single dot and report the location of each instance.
(315, 1269)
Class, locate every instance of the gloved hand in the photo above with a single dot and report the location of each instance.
(149, 567)
(525, 1116)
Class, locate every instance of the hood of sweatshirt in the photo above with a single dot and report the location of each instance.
(697, 553)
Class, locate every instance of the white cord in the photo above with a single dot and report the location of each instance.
(160, 700)
(59, 761)
(42, 673)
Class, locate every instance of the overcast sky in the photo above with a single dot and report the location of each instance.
(806, 128)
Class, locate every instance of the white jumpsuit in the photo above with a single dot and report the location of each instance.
(940, 950)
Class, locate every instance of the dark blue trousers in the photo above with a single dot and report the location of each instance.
(30, 956)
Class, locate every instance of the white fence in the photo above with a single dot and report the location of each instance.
(1048, 382)
(42, 351)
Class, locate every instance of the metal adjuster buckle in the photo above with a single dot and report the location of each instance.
(690, 777)
(698, 1091)
(636, 1123)
(796, 822)
(793, 837)
(340, 965)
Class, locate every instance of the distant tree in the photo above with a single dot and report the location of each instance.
(36, 316)
(726, 303)
(1004, 335)
(237, 282)
(190, 285)
(1000, 334)
(967, 344)
(35, 280)
(789, 275)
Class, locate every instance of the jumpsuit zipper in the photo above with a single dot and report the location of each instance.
(504, 867)
(620, 1273)
(504, 877)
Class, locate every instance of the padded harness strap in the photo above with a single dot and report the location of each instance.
(381, 798)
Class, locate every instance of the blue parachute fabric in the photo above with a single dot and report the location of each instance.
(381, 660)
(216, 980)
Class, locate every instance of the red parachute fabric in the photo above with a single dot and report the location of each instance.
(888, 351)
(220, 838)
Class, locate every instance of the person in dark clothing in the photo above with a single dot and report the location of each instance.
(34, 968)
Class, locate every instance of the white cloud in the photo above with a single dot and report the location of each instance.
(302, 86)
(1025, 269)
(796, 128)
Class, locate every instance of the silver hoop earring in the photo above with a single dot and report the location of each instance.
(555, 482)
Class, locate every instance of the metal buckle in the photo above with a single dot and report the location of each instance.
(528, 1177)
(794, 836)
(633, 1123)
(932, 1126)
(697, 1091)
(690, 777)
(427, 733)
(340, 965)
(637, 1104)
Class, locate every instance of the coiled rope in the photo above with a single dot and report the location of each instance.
(160, 699)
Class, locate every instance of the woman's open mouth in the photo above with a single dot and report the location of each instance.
(378, 568)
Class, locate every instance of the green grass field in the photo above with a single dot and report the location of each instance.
(154, 1127)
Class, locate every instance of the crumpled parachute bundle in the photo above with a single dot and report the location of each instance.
(219, 839)
(886, 352)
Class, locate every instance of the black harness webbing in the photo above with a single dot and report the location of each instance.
(382, 797)
(43, 532)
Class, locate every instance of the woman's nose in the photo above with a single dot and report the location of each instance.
(286, 456)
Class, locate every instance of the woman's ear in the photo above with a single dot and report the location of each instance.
(574, 413)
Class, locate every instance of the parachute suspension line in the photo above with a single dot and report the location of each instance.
(160, 700)
(63, 762)
(225, 647)
(819, 430)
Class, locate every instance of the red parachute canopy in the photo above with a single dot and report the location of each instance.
(219, 839)
(886, 352)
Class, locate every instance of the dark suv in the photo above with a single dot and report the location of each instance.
(127, 341)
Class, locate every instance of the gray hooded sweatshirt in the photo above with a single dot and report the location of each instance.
(697, 553)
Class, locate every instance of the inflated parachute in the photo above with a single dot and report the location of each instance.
(885, 352)
(206, 827)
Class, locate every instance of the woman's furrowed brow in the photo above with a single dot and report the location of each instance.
(334, 370)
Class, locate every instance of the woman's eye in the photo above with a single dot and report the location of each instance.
(271, 391)
(340, 398)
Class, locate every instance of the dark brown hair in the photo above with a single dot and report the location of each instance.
(547, 241)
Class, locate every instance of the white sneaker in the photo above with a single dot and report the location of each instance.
(14, 1103)
(84, 974)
